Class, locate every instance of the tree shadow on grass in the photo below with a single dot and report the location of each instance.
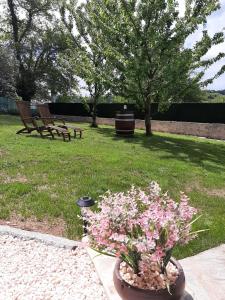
(210, 156)
(49, 138)
(10, 120)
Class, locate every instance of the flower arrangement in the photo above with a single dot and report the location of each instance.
(142, 228)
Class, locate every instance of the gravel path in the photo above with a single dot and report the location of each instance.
(31, 270)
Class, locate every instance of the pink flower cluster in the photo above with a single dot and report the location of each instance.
(137, 223)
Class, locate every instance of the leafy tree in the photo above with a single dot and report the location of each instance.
(222, 92)
(65, 98)
(144, 45)
(193, 94)
(30, 28)
(213, 97)
(86, 55)
(56, 75)
(8, 73)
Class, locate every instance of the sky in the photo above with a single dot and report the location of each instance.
(216, 22)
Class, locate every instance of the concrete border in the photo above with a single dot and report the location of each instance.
(202, 283)
(204, 273)
(46, 239)
(104, 266)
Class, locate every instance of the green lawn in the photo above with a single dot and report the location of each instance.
(43, 178)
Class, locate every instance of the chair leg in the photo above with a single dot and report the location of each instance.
(22, 130)
(52, 135)
(41, 133)
(64, 138)
(66, 135)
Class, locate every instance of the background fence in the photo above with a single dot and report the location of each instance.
(186, 112)
(7, 106)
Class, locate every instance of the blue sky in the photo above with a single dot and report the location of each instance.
(216, 22)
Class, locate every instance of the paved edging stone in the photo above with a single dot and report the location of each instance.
(47, 239)
(204, 272)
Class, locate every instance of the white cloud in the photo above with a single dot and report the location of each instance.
(215, 23)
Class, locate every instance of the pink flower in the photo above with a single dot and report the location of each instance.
(157, 255)
(186, 212)
(144, 225)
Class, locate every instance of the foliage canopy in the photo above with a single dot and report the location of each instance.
(144, 43)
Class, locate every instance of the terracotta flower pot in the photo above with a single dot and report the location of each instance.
(128, 292)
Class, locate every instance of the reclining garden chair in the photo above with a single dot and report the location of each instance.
(31, 123)
(48, 118)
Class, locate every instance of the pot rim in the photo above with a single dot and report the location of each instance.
(161, 291)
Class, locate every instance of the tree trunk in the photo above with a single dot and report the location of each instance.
(25, 84)
(148, 125)
(94, 121)
(94, 114)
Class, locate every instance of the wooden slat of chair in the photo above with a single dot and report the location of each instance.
(45, 114)
(26, 117)
(61, 131)
(29, 122)
(49, 122)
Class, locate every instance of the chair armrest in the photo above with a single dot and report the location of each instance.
(51, 118)
(30, 120)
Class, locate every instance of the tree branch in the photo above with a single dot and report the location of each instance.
(14, 20)
(27, 27)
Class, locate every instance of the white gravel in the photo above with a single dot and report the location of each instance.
(31, 270)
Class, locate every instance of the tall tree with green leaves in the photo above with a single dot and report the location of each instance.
(85, 54)
(8, 73)
(55, 77)
(144, 43)
(30, 28)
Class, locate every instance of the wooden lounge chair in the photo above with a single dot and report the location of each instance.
(48, 118)
(31, 123)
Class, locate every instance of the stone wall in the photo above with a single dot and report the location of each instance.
(209, 130)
